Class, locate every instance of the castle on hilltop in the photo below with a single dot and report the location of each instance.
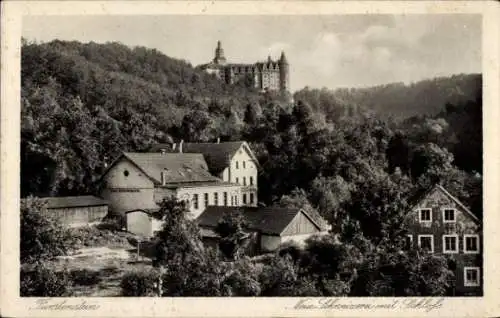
(268, 75)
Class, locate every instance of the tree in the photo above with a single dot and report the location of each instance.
(231, 229)
(178, 237)
(42, 237)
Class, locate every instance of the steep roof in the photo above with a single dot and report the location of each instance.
(267, 220)
(74, 201)
(421, 194)
(179, 168)
(217, 155)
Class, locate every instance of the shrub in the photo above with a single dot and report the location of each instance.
(140, 283)
(85, 277)
(41, 281)
(42, 237)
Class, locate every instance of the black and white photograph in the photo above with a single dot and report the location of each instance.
(219, 155)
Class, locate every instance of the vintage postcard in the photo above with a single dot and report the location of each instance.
(249, 158)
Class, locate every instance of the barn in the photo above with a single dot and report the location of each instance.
(271, 226)
(77, 210)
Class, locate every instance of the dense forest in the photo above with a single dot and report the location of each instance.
(356, 156)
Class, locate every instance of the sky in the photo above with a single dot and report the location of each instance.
(323, 50)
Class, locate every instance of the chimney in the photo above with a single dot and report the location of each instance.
(164, 177)
(180, 146)
(218, 140)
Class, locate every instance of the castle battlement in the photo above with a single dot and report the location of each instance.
(265, 75)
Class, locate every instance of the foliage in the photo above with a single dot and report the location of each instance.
(85, 277)
(179, 237)
(41, 281)
(140, 283)
(42, 236)
(231, 229)
(403, 273)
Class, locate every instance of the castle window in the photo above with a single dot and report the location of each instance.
(450, 244)
(449, 215)
(251, 198)
(244, 165)
(237, 180)
(245, 181)
(205, 197)
(216, 198)
(471, 243)
(244, 198)
(251, 180)
(425, 215)
(237, 165)
(426, 242)
(225, 198)
(471, 276)
(195, 201)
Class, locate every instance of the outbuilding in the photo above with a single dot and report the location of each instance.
(271, 226)
(77, 211)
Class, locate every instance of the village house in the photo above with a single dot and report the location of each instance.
(76, 211)
(269, 227)
(135, 184)
(439, 223)
(232, 162)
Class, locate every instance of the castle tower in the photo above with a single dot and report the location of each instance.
(284, 73)
(219, 55)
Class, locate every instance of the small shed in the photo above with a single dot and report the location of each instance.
(273, 225)
(77, 211)
(142, 222)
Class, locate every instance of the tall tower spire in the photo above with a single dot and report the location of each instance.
(219, 54)
(284, 73)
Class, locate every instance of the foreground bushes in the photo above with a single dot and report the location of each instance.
(41, 281)
(140, 283)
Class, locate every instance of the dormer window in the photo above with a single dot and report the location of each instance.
(449, 215)
(425, 215)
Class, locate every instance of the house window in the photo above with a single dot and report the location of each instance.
(225, 198)
(244, 198)
(471, 276)
(450, 243)
(237, 180)
(126, 173)
(426, 242)
(449, 215)
(471, 243)
(251, 180)
(425, 215)
(205, 197)
(245, 181)
(244, 165)
(251, 198)
(216, 198)
(195, 201)
(237, 165)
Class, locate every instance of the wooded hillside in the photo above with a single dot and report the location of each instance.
(82, 104)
